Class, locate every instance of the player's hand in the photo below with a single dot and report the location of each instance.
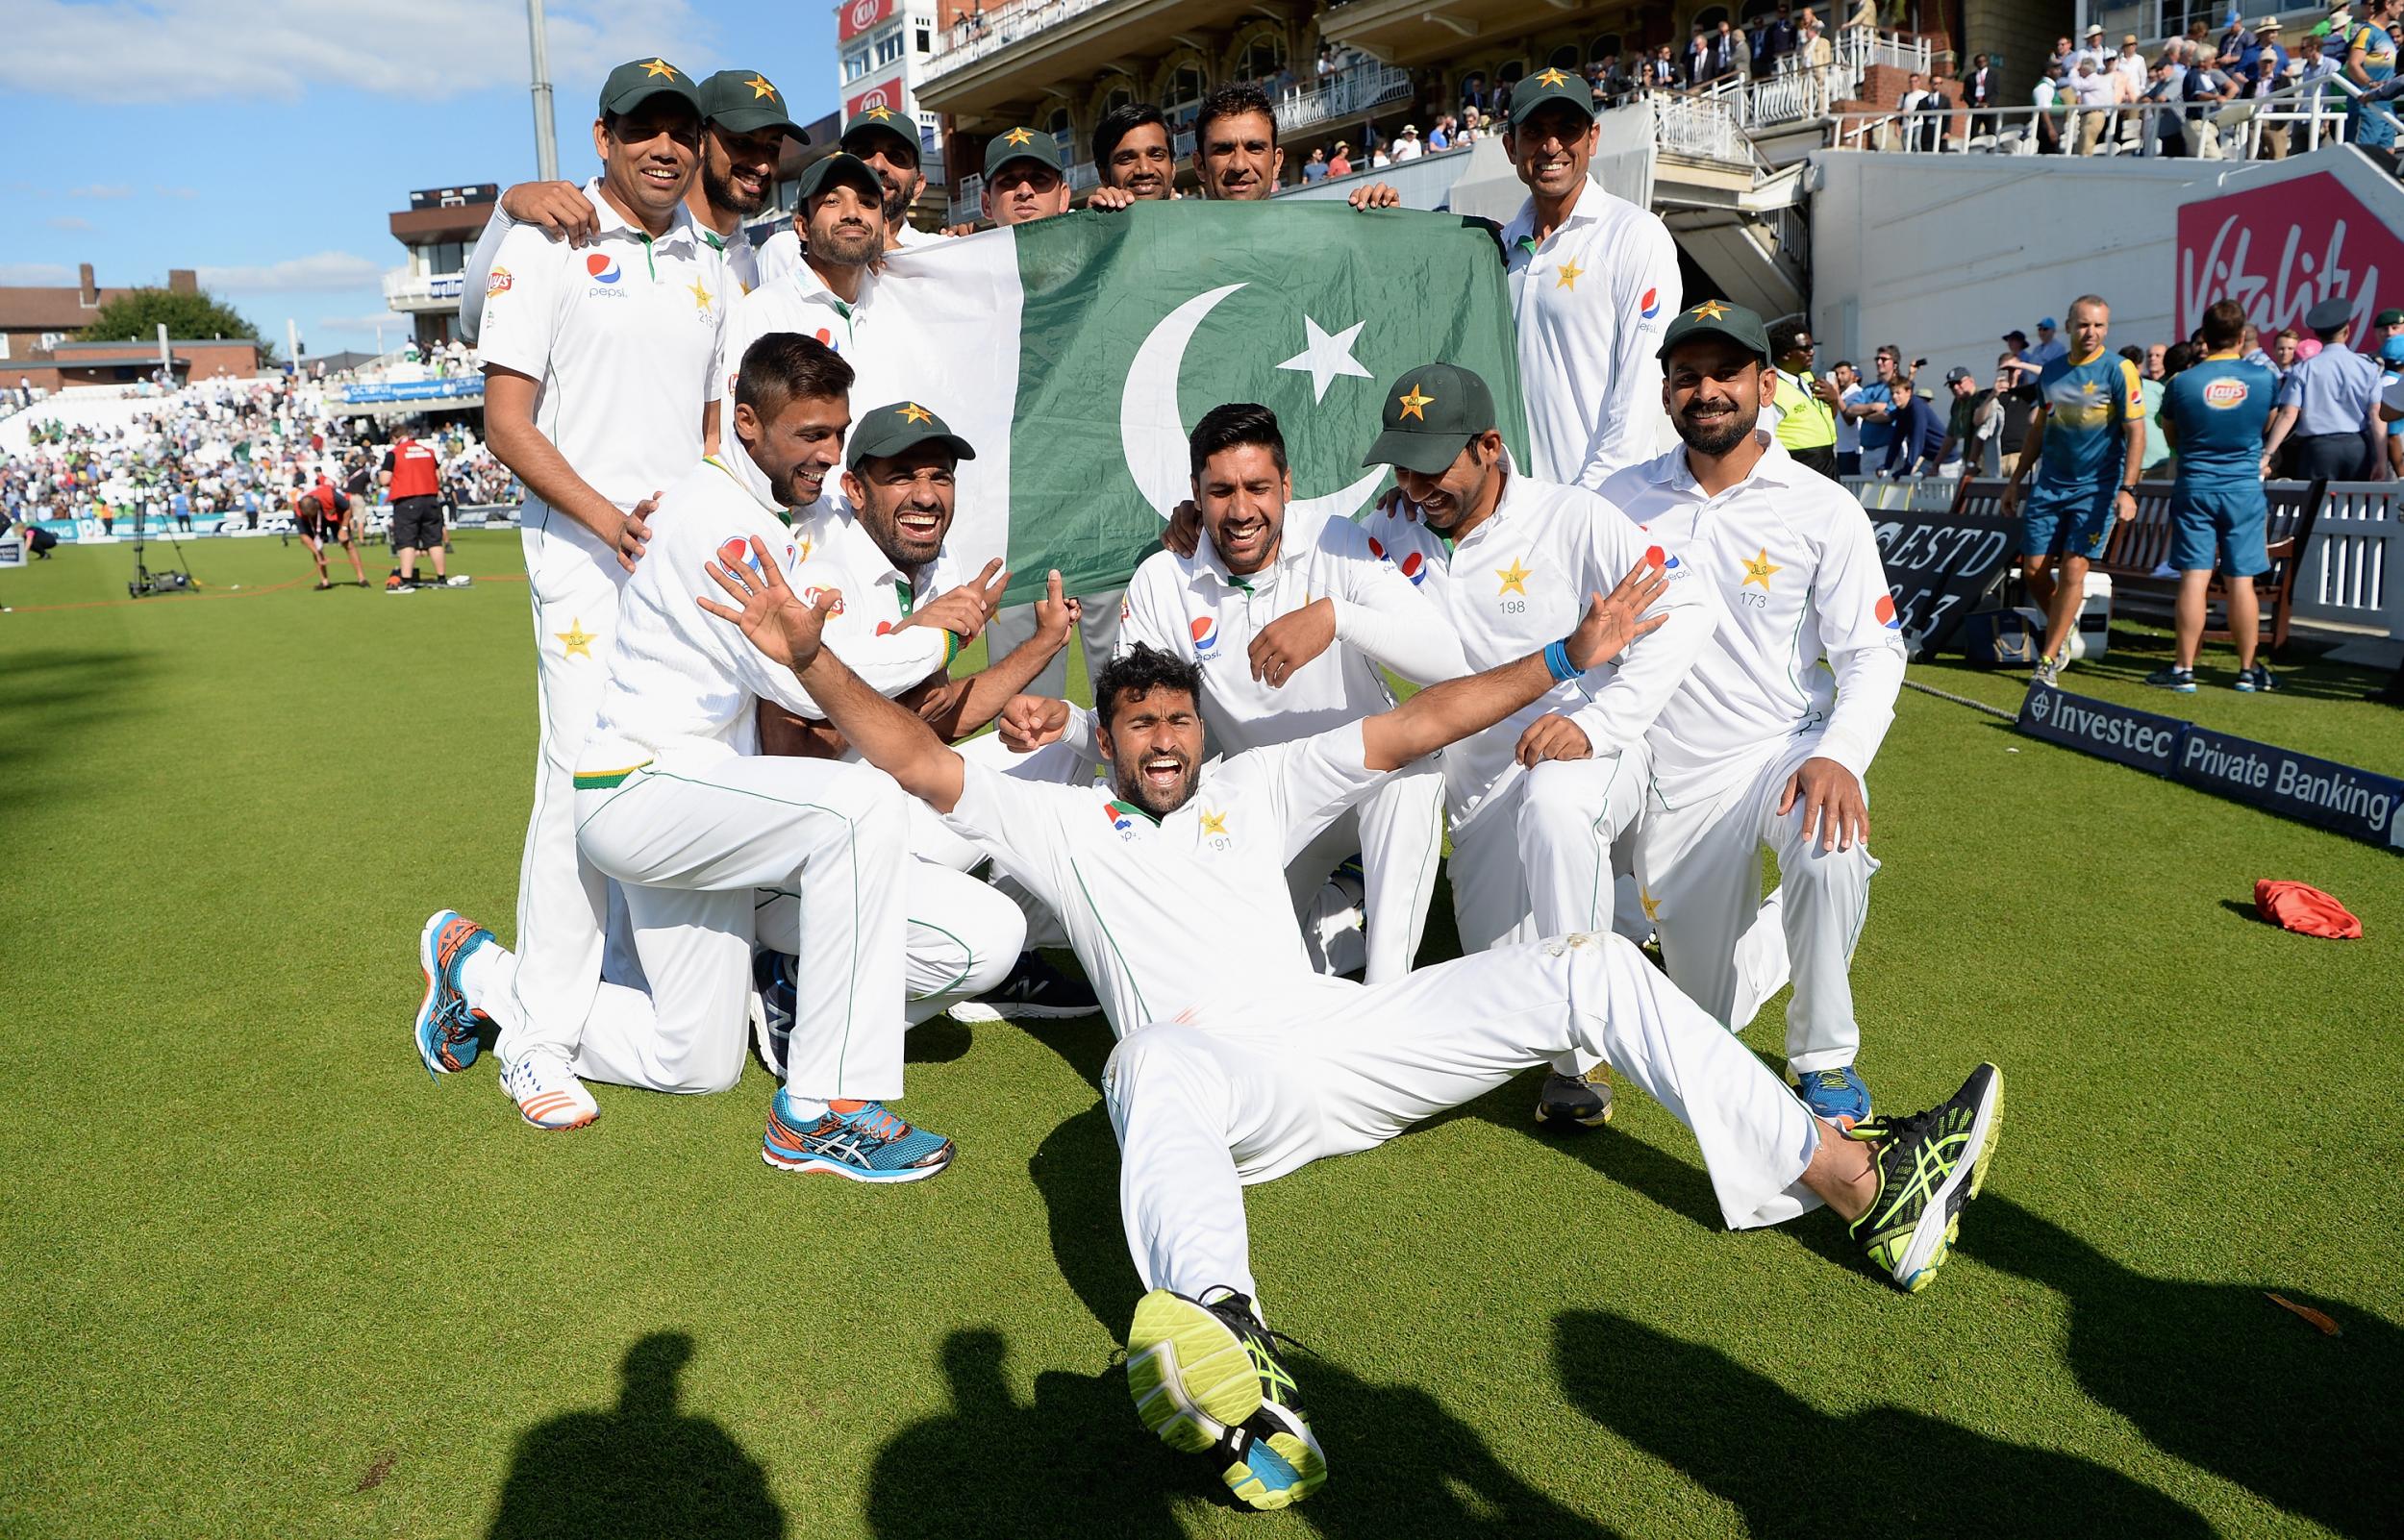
(1614, 620)
(1182, 533)
(969, 229)
(1287, 644)
(1029, 722)
(783, 625)
(633, 531)
(1396, 506)
(1552, 736)
(1055, 615)
(1376, 195)
(2124, 503)
(1834, 807)
(1110, 200)
(560, 208)
(964, 610)
(2011, 498)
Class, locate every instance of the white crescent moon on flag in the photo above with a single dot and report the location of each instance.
(1152, 431)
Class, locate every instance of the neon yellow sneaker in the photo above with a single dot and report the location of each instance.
(1929, 1165)
(1207, 1379)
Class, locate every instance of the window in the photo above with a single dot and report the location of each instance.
(1605, 47)
(855, 64)
(888, 47)
(1261, 58)
(1064, 134)
(1710, 20)
(1120, 96)
(924, 41)
(1182, 97)
(1509, 73)
(444, 257)
(1565, 57)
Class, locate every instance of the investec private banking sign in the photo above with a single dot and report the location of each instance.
(860, 15)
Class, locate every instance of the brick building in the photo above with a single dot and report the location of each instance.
(34, 319)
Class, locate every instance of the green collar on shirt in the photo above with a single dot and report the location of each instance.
(1145, 813)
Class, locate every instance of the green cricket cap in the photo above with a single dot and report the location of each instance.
(1021, 144)
(2388, 318)
(1430, 415)
(630, 85)
(882, 119)
(1718, 318)
(1547, 86)
(840, 168)
(743, 101)
(889, 431)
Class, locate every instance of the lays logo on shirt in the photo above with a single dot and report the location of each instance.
(1205, 631)
(2222, 394)
(499, 283)
(602, 267)
(1650, 305)
(810, 596)
(1884, 609)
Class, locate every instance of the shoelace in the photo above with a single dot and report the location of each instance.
(1832, 1079)
(877, 1120)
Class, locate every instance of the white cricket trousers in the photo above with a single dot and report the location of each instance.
(1399, 832)
(959, 936)
(562, 903)
(1700, 861)
(691, 840)
(1203, 1110)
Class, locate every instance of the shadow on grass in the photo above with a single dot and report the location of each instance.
(1794, 1470)
(1073, 1459)
(2219, 1376)
(47, 699)
(644, 1468)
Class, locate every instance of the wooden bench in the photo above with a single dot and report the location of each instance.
(2139, 547)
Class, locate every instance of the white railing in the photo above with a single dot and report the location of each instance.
(1083, 176)
(1702, 128)
(2237, 131)
(1859, 48)
(2344, 575)
(1356, 90)
(986, 32)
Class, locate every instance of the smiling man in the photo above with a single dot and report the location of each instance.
(1236, 153)
(1136, 157)
(597, 369)
(842, 207)
(886, 143)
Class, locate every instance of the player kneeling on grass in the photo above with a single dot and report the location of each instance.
(1239, 1063)
(323, 512)
(673, 802)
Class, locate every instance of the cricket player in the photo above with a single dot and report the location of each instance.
(1770, 737)
(2088, 440)
(887, 143)
(1238, 1064)
(1541, 804)
(1289, 628)
(675, 804)
(1593, 282)
(323, 512)
(842, 207)
(596, 367)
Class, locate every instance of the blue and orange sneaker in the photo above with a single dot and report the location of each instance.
(1836, 1095)
(446, 1026)
(869, 1143)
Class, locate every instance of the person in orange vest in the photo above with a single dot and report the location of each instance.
(324, 513)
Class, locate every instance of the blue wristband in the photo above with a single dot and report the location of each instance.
(1557, 661)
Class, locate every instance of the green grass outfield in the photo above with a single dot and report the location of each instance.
(261, 1277)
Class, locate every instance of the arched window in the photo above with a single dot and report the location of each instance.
(1261, 58)
(1605, 48)
(1182, 97)
(1064, 134)
(1710, 20)
(1565, 57)
(1120, 96)
(1509, 73)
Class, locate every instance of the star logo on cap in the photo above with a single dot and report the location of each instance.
(915, 413)
(1570, 273)
(1552, 76)
(1709, 310)
(1759, 569)
(1016, 137)
(759, 87)
(1414, 404)
(880, 111)
(658, 68)
(1515, 579)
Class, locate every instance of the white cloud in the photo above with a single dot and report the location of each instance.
(118, 51)
(36, 275)
(67, 222)
(100, 190)
(326, 271)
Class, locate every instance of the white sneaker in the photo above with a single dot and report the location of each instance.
(547, 1092)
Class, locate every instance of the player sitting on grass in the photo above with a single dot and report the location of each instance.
(324, 513)
(1239, 1063)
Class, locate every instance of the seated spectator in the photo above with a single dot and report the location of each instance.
(1339, 163)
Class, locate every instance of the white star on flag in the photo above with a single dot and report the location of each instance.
(1327, 357)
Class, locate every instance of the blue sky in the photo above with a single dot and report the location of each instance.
(264, 141)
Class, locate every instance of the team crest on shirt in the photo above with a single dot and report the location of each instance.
(1885, 610)
(1650, 305)
(2222, 394)
(603, 268)
(1204, 632)
(1212, 825)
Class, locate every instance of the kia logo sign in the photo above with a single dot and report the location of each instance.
(862, 15)
(887, 94)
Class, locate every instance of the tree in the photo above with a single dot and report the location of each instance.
(137, 314)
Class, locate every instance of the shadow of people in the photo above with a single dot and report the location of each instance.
(642, 1469)
(1755, 1444)
(1076, 1460)
(2219, 1376)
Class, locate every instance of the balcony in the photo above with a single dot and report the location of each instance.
(997, 60)
(1358, 90)
(415, 293)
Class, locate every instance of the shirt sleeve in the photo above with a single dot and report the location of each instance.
(521, 304)
(1623, 696)
(479, 274)
(898, 660)
(1863, 652)
(1625, 435)
(1384, 614)
(2132, 393)
(1021, 824)
(1147, 620)
(1309, 781)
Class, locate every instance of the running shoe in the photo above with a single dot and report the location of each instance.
(2050, 669)
(1207, 1379)
(1836, 1095)
(446, 1028)
(1928, 1164)
(2256, 678)
(868, 1144)
(547, 1092)
(773, 1023)
(2173, 678)
(1035, 991)
(1577, 1100)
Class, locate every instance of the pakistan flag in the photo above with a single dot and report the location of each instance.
(1074, 352)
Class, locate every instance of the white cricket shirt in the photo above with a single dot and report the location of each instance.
(619, 336)
(1194, 608)
(1186, 919)
(1521, 581)
(1807, 642)
(868, 634)
(1591, 301)
(799, 301)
